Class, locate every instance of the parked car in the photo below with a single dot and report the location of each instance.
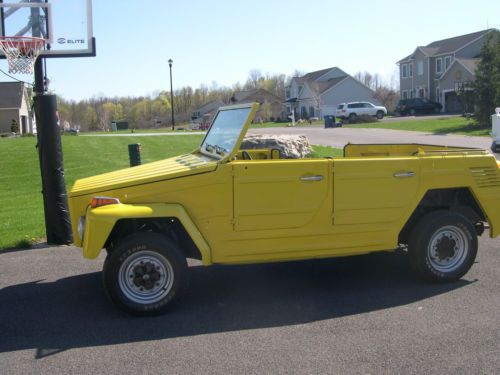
(352, 110)
(417, 105)
(225, 205)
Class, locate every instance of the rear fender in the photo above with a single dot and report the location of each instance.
(100, 221)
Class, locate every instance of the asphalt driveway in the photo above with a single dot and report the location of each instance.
(366, 314)
(339, 137)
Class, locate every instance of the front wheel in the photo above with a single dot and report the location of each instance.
(443, 246)
(380, 115)
(413, 112)
(144, 274)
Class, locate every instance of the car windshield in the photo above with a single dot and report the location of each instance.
(224, 132)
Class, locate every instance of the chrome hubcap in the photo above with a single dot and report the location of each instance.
(146, 277)
(448, 249)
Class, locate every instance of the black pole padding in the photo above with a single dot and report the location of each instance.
(39, 77)
(134, 154)
(55, 199)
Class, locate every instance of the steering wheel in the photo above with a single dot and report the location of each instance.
(246, 155)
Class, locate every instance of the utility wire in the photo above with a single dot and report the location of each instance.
(14, 78)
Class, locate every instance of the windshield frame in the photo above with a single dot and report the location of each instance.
(232, 153)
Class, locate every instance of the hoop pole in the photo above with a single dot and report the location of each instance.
(55, 199)
(39, 74)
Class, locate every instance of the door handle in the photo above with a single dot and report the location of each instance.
(312, 178)
(404, 174)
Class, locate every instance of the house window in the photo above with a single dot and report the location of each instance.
(412, 94)
(410, 70)
(447, 62)
(459, 86)
(287, 93)
(420, 68)
(404, 71)
(404, 94)
(421, 92)
(311, 111)
(439, 65)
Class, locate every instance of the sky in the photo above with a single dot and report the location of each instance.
(222, 41)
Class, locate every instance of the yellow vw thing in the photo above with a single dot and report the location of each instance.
(223, 205)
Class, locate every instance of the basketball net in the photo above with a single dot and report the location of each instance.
(21, 52)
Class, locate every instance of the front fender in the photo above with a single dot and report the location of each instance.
(99, 223)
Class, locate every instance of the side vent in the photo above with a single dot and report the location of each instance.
(486, 177)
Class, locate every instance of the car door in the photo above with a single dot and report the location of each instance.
(374, 190)
(279, 195)
(368, 109)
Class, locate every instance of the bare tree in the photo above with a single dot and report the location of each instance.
(253, 80)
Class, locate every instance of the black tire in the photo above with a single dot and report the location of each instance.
(412, 112)
(437, 110)
(353, 117)
(380, 115)
(144, 274)
(443, 246)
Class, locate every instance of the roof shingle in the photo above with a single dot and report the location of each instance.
(448, 45)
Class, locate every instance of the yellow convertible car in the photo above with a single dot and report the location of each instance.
(223, 205)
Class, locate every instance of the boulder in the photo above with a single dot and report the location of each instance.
(290, 146)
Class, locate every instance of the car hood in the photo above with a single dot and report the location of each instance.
(179, 166)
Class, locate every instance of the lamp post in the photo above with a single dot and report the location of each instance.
(170, 61)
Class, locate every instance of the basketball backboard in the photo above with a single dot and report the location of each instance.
(66, 25)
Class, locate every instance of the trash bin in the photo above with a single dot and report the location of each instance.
(495, 147)
(329, 121)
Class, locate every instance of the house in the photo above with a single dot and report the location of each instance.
(439, 70)
(201, 117)
(15, 112)
(271, 106)
(318, 93)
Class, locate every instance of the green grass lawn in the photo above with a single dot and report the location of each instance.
(21, 216)
(448, 125)
(325, 151)
(168, 129)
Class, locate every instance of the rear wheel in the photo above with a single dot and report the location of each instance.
(353, 117)
(413, 112)
(380, 115)
(443, 246)
(144, 274)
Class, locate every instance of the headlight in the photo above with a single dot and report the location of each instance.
(81, 227)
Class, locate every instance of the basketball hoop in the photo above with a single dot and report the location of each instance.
(21, 52)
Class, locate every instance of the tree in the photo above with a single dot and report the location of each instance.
(254, 79)
(266, 111)
(366, 78)
(385, 93)
(90, 118)
(387, 96)
(487, 84)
